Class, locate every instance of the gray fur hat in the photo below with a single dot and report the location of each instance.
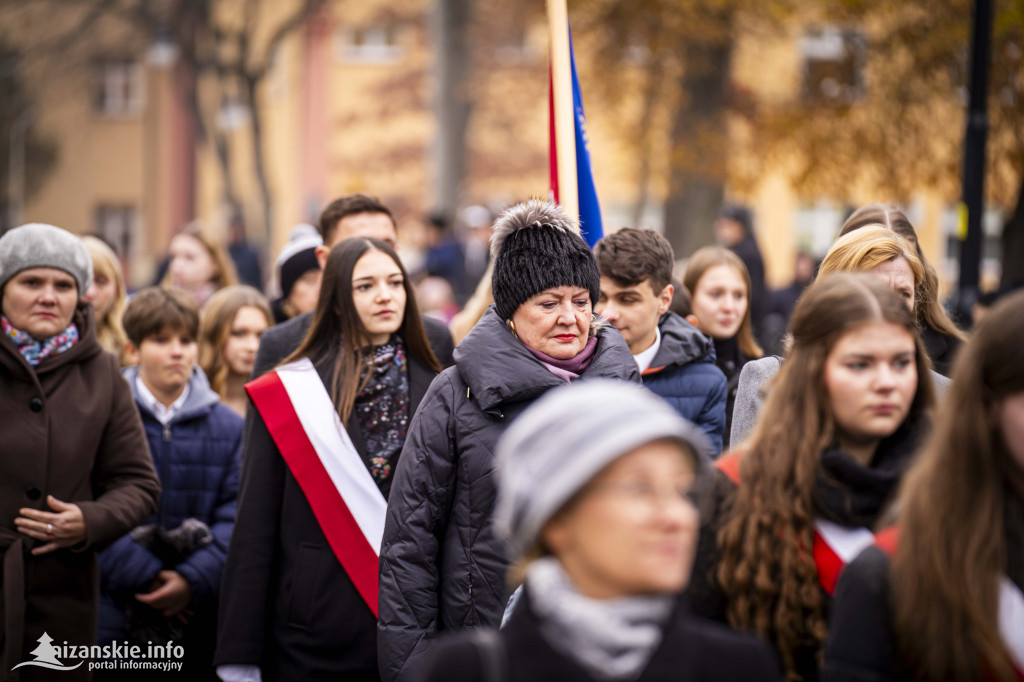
(536, 246)
(38, 245)
(564, 439)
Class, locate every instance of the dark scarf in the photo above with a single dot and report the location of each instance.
(852, 495)
(728, 357)
(382, 409)
(570, 368)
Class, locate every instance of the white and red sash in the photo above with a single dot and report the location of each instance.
(345, 500)
(834, 547)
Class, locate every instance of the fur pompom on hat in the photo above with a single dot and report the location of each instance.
(551, 451)
(536, 246)
(38, 245)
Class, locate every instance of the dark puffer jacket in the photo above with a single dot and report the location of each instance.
(442, 567)
(684, 373)
(196, 456)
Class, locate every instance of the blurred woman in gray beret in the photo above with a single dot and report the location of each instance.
(596, 498)
(75, 471)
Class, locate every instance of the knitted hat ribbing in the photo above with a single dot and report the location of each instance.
(38, 245)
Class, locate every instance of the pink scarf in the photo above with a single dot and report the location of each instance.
(570, 368)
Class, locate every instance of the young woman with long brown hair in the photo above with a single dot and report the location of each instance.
(838, 430)
(229, 335)
(719, 287)
(294, 605)
(942, 595)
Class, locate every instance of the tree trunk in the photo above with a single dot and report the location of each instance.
(1013, 244)
(451, 101)
(698, 147)
(259, 161)
(645, 139)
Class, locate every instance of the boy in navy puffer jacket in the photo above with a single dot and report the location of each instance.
(676, 360)
(160, 582)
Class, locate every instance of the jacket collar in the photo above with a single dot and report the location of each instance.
(681, 343)
(499, 369)
(200, 399)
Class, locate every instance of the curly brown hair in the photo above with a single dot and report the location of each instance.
(767, 569)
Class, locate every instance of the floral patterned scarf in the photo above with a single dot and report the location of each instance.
(383, 410)
(34, 351)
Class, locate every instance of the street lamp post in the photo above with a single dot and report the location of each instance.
(973, 185)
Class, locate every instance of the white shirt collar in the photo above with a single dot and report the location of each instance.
(163, 414)
(646, 357)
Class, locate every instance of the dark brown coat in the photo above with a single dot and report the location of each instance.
(68, 428)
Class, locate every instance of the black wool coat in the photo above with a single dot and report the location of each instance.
(286, 603)
(692, 650)
(442, 566)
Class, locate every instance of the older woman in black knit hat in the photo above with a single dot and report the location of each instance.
(442, 566)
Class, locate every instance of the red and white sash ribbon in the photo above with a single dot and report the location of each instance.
(834, 547)
(345, 500)
(1011, 621)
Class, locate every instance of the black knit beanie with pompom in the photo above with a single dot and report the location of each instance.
(536, 246)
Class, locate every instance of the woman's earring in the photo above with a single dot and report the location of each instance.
(511, 327)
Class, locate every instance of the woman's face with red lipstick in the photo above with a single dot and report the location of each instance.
(556, 321)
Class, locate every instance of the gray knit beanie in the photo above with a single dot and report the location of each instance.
(536, 246)
(564, 439)
(38, 245)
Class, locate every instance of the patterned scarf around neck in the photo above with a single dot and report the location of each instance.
(612, 639)
(383, 410)
(35, 351)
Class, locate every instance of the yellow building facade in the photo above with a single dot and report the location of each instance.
(345, 106)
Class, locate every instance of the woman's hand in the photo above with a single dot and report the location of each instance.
(66, 528)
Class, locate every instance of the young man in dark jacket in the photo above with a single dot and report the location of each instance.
(675, 359)
(161, 581)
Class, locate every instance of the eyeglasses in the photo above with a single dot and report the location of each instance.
(649, 494)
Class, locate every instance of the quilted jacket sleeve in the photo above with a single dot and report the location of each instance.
(711, 418)
(418, 511)
(127, 567)
(204, 568)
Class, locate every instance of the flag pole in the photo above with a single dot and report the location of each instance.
(561, 92)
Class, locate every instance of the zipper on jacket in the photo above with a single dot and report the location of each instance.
(167, 433)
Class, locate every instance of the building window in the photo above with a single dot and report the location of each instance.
(115, 224)
(119, 87)
(376, 44)
(833, 65)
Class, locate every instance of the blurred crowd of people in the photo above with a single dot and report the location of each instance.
(505, 455)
